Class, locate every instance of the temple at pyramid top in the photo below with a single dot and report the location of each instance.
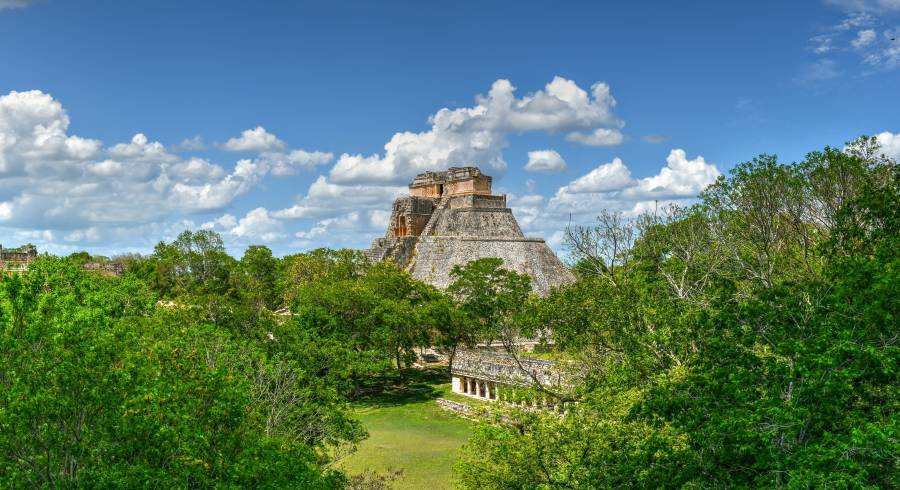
(451, 218)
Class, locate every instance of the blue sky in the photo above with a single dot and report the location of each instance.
(123, 123)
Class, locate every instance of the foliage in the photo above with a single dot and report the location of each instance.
(749, 341)
(98, 388)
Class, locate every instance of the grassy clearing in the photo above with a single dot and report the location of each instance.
(408, 431)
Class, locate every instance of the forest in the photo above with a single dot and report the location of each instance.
(749, 340)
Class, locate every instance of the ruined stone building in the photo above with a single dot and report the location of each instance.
(487, 375)
(451, 218)
(17, 259)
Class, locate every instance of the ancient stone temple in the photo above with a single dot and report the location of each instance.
(451, 218)
(17, 259)
(486, 374)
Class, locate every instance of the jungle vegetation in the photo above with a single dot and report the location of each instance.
(747, 340)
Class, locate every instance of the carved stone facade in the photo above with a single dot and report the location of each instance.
(16, 259)
(484, 374)
(451, 218)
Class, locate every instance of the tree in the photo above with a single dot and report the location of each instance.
(100, 389)
(750, 341)
(257, 278)
(490, 297)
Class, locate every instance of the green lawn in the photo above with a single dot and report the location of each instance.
(408, 431)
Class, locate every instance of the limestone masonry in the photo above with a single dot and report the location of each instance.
(16, 259)
(451, 218)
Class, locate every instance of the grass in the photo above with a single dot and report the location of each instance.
(408, 431)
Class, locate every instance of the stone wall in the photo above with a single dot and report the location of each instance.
(476, 223)
(502, 368)
(436, 256)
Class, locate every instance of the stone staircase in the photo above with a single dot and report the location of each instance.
(435, 215)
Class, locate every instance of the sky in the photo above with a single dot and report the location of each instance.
(295, 124)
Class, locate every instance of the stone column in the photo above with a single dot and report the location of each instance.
(487, 389)
(456, 384)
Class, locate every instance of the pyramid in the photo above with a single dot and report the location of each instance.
(451, 218)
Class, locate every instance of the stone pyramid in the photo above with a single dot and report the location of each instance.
(451, 218)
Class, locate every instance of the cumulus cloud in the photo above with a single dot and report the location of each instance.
(33, 137)
(254, 140)
(476, 135)
(545, 161)
(610, 176)
(130, 191)
(611, 186)
(352, 228)
(598, 137)
(258, 224)
(890, 145)
(527, 208)
(326, 199)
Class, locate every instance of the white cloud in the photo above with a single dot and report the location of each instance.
(862, 34)
(290, 163)
(258, 224)
(862, 7)
(679, 178)
(326, 199)
(33, 136)
(611, 186)
(91, 234)
(890, 145)
(476, 135)
(254, 140)
(863, 38)
(128, 193)
(526, 208)
(14, 4)
(353, 228)
(599, 137)
(885, 53)
(608, 177)
(545, 161)
(6, 211)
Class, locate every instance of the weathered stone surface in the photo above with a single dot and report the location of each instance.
(502, 368)
(451, 218)
(16, 259)
(436, 256)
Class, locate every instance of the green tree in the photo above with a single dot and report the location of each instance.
(257, 278)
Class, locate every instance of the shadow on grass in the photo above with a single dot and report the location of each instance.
(401, 387)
